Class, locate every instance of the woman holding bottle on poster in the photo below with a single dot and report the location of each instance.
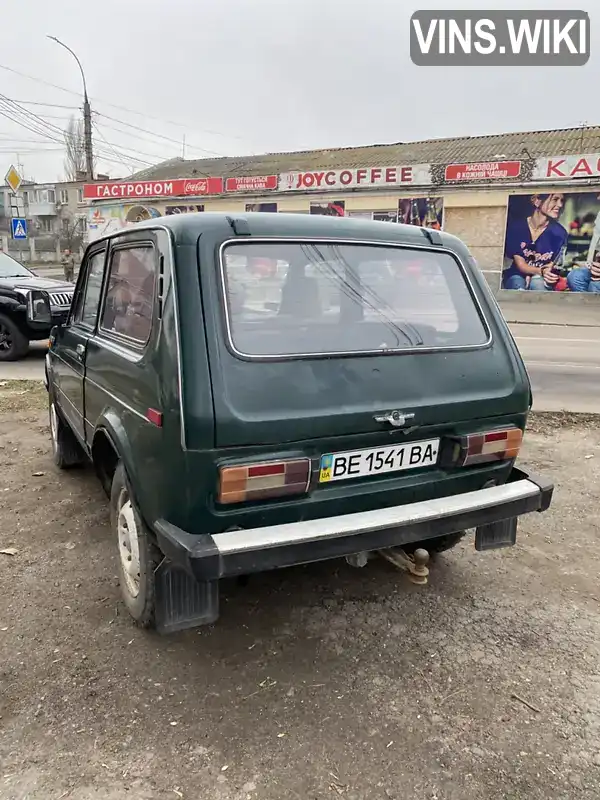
(535, 244)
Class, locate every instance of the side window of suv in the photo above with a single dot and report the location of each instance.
(129, 304)
(88, 299)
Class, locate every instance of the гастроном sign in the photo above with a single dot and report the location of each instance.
(132, 190)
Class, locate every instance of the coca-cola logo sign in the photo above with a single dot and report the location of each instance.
(202, 186)
(195, 187)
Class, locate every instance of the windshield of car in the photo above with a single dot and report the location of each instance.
(9, 268)
(293, 299)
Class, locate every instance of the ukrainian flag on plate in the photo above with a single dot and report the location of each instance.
(326, 465)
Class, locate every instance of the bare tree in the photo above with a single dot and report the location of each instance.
(75, 146)
(72, 232)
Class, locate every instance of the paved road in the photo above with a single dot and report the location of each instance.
(564, 366)
(563, 363)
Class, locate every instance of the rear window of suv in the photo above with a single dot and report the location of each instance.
(297, 299)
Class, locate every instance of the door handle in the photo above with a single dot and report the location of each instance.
(80, 350)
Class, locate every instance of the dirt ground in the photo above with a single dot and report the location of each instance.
(317, 682)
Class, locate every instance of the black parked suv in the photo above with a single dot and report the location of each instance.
(19, 289)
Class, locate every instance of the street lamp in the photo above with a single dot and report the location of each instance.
(87, 115)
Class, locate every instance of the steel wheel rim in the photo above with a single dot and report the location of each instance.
(53, 425)
(129, 551)
(6, 342)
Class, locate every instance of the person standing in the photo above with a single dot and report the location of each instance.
(534, 244)
(68, 265)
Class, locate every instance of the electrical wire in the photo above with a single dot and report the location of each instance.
(158, 135)
(119, 157)
(48, 105)
(121, 108)
(36, 124)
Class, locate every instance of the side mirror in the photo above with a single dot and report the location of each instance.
(38, 307)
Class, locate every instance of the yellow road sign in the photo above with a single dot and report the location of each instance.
(13, 179)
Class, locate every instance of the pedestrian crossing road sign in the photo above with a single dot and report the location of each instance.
(19, 228)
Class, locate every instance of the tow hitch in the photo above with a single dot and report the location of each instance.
(414, 565)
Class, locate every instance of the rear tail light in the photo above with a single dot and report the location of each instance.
(481, 448)
(241, 484)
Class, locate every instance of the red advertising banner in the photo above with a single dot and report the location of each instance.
(251, 183)
(487, 170)
(133, 190)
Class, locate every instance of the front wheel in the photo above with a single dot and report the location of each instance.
(13, 342)
(138, 555)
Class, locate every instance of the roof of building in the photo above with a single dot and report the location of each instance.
(528, 144)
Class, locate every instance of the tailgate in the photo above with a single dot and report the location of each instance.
(274, 403)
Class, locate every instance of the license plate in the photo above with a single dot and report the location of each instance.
(362, 463)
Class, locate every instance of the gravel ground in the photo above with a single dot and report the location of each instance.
(317, 682)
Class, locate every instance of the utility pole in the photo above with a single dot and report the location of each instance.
(87, 116)
(87, 135)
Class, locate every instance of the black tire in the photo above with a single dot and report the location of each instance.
(141, 605)
(66, 450)
(13, 342)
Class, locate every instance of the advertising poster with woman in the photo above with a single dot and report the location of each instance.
(552, 242)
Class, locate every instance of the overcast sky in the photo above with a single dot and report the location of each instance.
(252, 76)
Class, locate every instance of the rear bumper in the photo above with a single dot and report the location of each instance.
(209, 557)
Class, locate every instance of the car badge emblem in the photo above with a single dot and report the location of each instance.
(395, 418)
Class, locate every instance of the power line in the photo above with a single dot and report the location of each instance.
(122, 108)
(99, 132)
(23, 151)
(48, 105)
(36, 124)
(157, 135)
(29, 116)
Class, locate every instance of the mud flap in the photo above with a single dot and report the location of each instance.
(183, 602)
(496, 535)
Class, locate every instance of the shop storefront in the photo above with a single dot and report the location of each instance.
(516, 216)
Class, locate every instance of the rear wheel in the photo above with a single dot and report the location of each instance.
(13, 342)
(66, 450)
(138, 555)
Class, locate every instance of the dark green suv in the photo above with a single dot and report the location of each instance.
(263, 390)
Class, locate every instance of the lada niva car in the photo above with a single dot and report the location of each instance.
(244, 419)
